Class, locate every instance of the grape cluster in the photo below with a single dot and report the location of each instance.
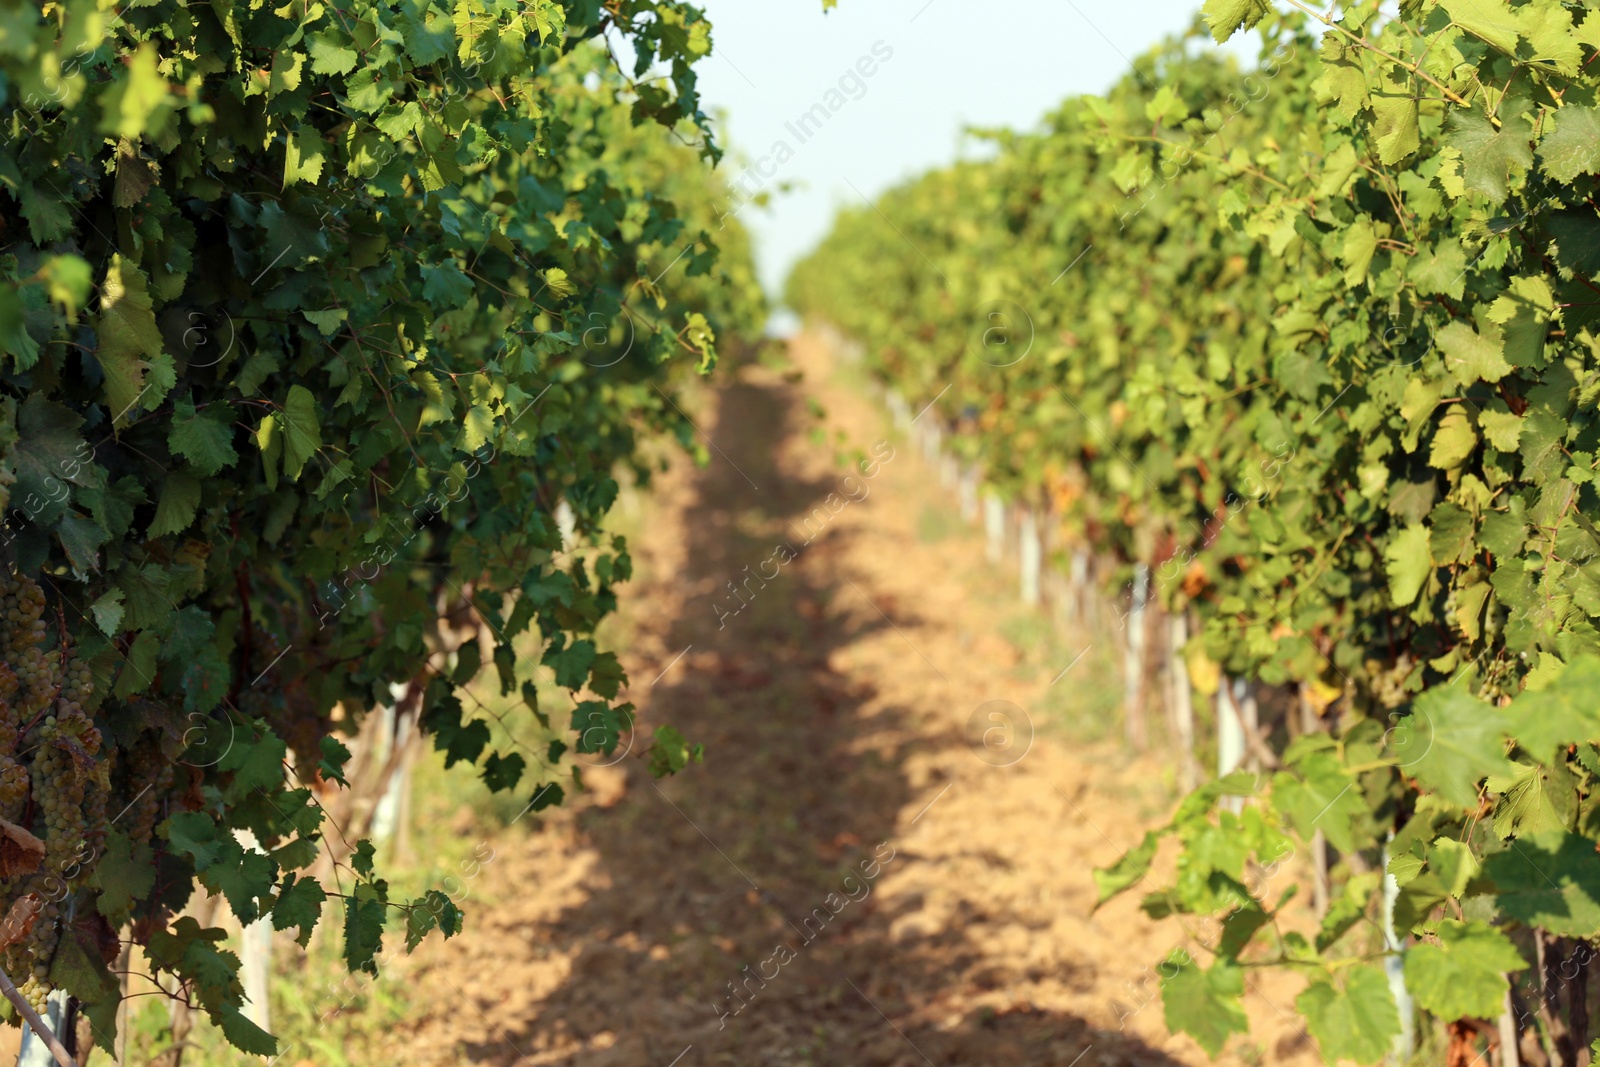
(28, 962)
(52, 781)
(146, 777)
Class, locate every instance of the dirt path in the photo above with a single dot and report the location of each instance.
(878, 883)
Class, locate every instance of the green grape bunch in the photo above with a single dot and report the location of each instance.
(54, 780)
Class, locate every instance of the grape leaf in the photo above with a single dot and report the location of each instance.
(130, 344)
(1549, 879)
(243, 1034)
(1463, 973)
(1450, 742)
(1206, 1004)
(301, 431)
(205, 439)
(299, 903)
(1352, 1014)
(1227, 17)
(1572, 147)
(1408, 562)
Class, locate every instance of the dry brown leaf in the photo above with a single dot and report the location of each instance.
(19, 920)
(20, 851)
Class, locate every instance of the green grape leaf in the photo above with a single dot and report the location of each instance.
(1472, 356)
(137, 102)
(301, 434)
(444, 284)
(502, 772)
(1227, 17)
(1501, 429)
(205, 439)
(329, 56)
(245, 877)
(1463, 973)
(1351, 1014)
(1454, 864)
(175, 511)
(1561, 714)
(434, 910)
(130, 344)
(1128, 871)
(1486, 19)
(361, 859)
(1350, 908)
(334, 758)
(1572, 147)
(571, 663)
(124, 875)
(1450, 742)
(1408, 562)
(363, 926)
(1490, 157)
(1395, 124)
(671, 752)
(1453, 441)
(1530, 800)
(256, 765)
(1206, 1004)
(78, 968)
(299, 903)
(243, 1034)
(1318, 795)
(1549, 879)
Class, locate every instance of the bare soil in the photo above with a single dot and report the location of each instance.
(881, 882)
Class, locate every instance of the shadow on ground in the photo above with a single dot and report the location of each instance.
(676, 947)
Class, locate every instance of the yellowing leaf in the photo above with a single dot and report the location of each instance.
(302, 157)
(1471, 356)
(1395, 123)
(1501, 428)
(270, 441)
(1408, 562)
(1453, 442)
(302, 430)
(1489, 20)
(138, 101)
(1573, 146)
(1360, 242)
(129, 339)
(1226, 17)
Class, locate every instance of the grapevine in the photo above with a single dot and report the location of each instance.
(312, 318)
(1315, 344)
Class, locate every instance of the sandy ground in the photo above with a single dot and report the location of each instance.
(858, 874)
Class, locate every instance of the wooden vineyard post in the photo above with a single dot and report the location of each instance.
(1133, 659)
(255, 943)
(1181, 702)
(52, 1042)
(1230, 736)
(1394, 964)
(968, 494)
(1244, 702)
(567, 523)
(1030, 556)
(255, 955)
(119, 1049)
(1310, 723)
(994, 525)
(388, 816)
(900, 410)
(1080, 587)
(1510, 1055)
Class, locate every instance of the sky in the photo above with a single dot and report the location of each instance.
(914, 73)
